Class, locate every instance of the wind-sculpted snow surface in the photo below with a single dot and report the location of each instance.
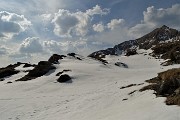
(93, 94)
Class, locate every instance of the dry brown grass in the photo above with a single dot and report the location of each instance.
(169, 74)
(173, 100)
(150, 87)
(166, 84)
(170, 50)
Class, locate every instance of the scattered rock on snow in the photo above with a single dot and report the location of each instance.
(71, 54)
(130, 52)
(124, 99)
(28, 65)
(166, 84)
(64, 78)
(41, 69)
(120, 64)
(9, 70)
(2, 79)
(59, 73)
(9, 82)
(131, 85)
(55, 58)
(132, 92)
(74, 55)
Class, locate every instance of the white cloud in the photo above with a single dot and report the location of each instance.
(113, 37)
(112, 33)
(140, 29)
(53, 46)
(115, 23)
(154, 18)
(31, 45)
(169, 16)
(65, 22)
(3, 50)
(78, 23)
(30, 7)
(11, 24)
(46, 17)
(97, 10)
(98, 27)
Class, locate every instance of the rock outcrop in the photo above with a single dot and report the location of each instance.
(41, 69)
(55, 58)
(158, 40)
(64, 78)
(166, 84)
(9, 70)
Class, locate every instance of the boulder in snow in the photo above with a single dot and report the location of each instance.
(120, 64)
(64, 78)
(41, 69)
(55, 58)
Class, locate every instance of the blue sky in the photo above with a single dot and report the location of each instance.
(30, 29)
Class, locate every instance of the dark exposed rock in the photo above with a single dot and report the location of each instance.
(2, 79)
(9, 70)
(124, 99)
(103, 61)
(74, 55)
(116, 50)
(9, 82)
(100, 59)
(28, 65)
(130, 52)
(59, 73)
(64, 78)
(131, 85)
(78, 58)
(170, 50)
(41, 69)
(120, 64)
(154, 87)
(102, 53)
(55, 58)
(156, 36)
(124, 46)
(71, 54)
(132, 92)
(166, 84)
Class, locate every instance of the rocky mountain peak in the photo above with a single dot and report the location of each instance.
(165, 33)
(164, 27)
(154, 38)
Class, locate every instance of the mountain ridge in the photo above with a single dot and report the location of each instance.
(147, 41)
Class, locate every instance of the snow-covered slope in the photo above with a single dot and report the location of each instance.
(94, 94)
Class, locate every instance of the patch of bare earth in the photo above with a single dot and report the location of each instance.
(166, 84)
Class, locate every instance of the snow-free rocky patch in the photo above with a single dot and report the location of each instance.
(41, 69)
(166, 84)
